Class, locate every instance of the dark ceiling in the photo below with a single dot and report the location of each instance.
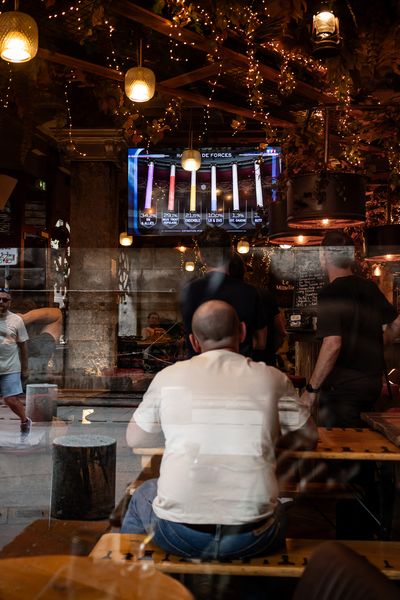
(235, 72)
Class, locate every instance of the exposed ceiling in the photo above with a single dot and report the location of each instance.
(235, 72)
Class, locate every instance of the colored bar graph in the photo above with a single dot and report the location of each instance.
(213, 188)
(171, 193)
(257, 175)
(149, 186)
(193, 192)
(235, 187)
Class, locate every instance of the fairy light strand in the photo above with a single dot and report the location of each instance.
(67, 104)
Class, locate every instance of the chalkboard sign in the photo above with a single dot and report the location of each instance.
(310, 278)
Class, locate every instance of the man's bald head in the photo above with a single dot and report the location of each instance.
(215, 324)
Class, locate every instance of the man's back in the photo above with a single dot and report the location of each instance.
(220, 286)
(355, 309)
(219, 415)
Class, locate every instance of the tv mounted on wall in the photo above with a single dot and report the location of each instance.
(230, 190)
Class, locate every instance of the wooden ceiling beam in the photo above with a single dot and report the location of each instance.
(77, 63)
(224, 106)
(192, 76)
(105, 72)
(185, 36)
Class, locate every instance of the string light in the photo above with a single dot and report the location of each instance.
(71, 142)
(5, 101)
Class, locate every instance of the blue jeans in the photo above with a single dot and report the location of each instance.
(176, 538)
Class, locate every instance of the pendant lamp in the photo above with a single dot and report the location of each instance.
(243, 247)
(325, 34)
(140, 82)
(280, 234)
(383, 243)
(191, 159)
(19, 38)
(125, 239)
(326, 199)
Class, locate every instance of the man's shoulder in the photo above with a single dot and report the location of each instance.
(13, 318)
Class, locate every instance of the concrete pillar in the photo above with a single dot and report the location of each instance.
(92, 312)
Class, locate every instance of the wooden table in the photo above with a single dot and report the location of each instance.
(333, 444)
(350, 444)
(387, 423)
(60, 577)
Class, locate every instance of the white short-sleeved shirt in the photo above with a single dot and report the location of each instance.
(12, 332)
(219, 415)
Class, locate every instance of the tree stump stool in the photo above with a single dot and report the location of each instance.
(41, 401)
(83, 477)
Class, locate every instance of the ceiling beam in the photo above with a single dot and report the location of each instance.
(165, 27)
(83, 65)
(76, 63)
(192, 76)
(224, 106)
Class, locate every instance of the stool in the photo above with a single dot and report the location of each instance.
(83, 485)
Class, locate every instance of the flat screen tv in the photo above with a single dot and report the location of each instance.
(230, 190)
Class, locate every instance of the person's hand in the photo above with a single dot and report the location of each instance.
(308, 399)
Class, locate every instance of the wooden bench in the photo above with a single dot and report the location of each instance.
(289, 562)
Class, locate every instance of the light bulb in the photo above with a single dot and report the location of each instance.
(18, 37)
(140, 84)
(189, 266)
(377, 271)
(243, 247)
(125, 239)
(191, 160)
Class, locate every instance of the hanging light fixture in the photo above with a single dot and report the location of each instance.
(326, 199)
(280, 234)
(383, 243)
(325, 34)
(125, 239)
(189, 266)
(243, 246)
(191, 159)
(140, 82)
(18, 36)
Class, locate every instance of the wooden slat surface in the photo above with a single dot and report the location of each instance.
(288, 563)
(387, 423)
(351, 444)
(333, 444)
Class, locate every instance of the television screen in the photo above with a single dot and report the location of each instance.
(230, 190)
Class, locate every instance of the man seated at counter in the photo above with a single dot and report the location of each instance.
(351, 314)
(153, 329)
(222, 416)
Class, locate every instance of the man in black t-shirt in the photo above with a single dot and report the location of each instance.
(215, 251)
(351, 314)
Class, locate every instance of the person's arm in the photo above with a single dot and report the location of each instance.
(326, 360)
(392, 331)
(137, 437)
(23, 356)
(280, 331)
(41, 315)
(304, 438)
(298, 429)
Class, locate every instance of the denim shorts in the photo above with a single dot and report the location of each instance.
(10, 384)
